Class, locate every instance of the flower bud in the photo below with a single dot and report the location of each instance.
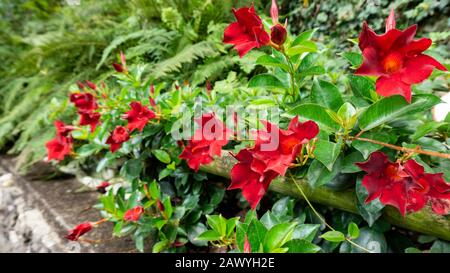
(278, 34)
(118, 67)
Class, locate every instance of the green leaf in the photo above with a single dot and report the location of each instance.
(348, 164)
(426, 128)
(256, 233)
(268, 60)
(347, 113)
(390, 108)
(333, 236)
(412, 250)
(266, 80)
(160, 246)
(301, 246)
(209, 235)
(317, 113)
(327, 152)
(168, 209)
(269, 219)
(440, 247)
(366, 148)
(306, 232)
(353, 230)
(319, 175)
(326, 94)
(217, 223)
(361, 86)
(278, 235)
(164, 173)
(313, 70)
(131, 169)
(153, 188)
(162, 156)
(355, 59)
(302, 47)
(304, 36)
(87, 150)
(194, 231)
(231, 224)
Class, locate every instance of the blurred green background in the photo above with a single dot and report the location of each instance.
(47, 46)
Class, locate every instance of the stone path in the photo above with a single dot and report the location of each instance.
(35, 215)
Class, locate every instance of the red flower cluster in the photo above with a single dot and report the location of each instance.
(395, 58)
(133, 215)
(274, 151)
(86, 105)
(138, 116)
(404, 186)
(207, 142)
(61, 145)
(248, 31)
(117, 137)
(79, 230)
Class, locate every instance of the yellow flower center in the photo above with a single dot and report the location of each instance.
(392, 62)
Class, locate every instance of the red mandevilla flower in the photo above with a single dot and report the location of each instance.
(85, 102)
(247, 32)
(90, 118)
(138, 116)
(207, 141)
(78, 231)
(58, 148)
(395, 58)
(274, 151)
(406, 187)
(428, 188)
(61, 146)
(117, 137)
(133, 215)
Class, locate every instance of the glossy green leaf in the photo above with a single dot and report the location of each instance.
(209, 235)
(162, 156)
(390, 108)
(361, 86)
(355, 59)
(326, 94)
(266, 80)
(327, 152)
(317, 113)
(333, 236)
(301, 246)
(277, 236)
(353, 230)
(268, 60)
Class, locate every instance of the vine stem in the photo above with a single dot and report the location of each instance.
(401, 149)
(321, 218)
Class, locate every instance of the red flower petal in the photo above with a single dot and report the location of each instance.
(389, 85)
(419, 68)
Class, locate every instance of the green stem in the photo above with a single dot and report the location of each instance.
(321, 218)
(291, 75)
